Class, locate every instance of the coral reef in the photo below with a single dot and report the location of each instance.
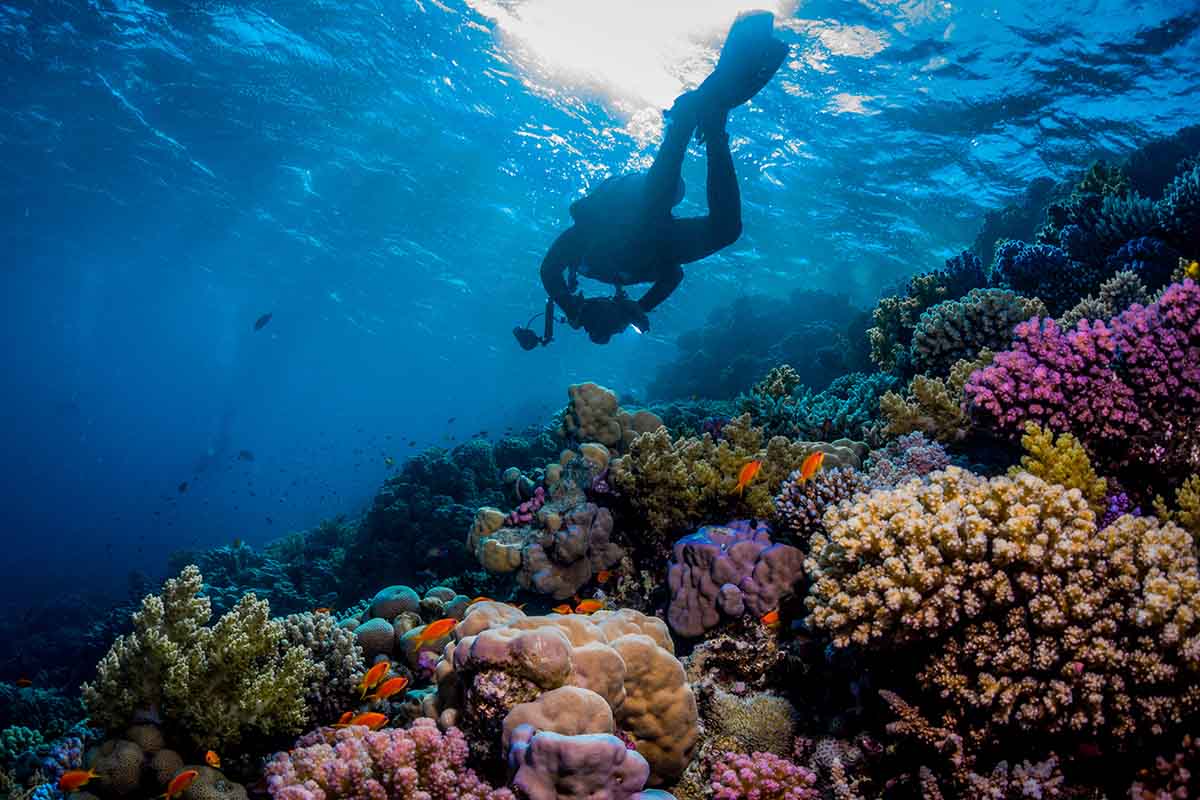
(499, 658)
(933, 406)
(726, 571)
(761, 776)
(1186, 511)
(593, 415)
(1116, 294)
(958, 330)
(1061, 461)
(213, 684)
(550, 766)
(800, 504)
(417, 763)
(779, 383)
(1031, 619)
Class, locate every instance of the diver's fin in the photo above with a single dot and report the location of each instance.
(750, 58)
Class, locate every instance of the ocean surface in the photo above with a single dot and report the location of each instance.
(383, 179)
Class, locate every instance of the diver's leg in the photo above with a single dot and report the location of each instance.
(698, 237)
(662, 180)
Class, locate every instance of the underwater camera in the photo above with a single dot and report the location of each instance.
(527, 337)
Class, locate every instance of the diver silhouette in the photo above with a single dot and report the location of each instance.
(624, 232)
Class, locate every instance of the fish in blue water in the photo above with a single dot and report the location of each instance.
(183, 487)
(245, 455)
(262, 321)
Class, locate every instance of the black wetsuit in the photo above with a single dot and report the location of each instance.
(656, 246)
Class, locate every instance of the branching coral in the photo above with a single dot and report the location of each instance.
(1062, 461)
(780, 382)
(957, 330)
(1027, 616)
(933, 406)
(1128, 389)
(214, 684)
(896, 316)
(1116, 294)
(761, 776)
(680, 484)
(1186, 513)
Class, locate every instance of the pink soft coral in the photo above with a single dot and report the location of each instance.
(355, 763)
(761, 776)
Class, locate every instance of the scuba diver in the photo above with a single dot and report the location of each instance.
(624, 232)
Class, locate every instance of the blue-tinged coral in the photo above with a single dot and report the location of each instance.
(848, 408)
(1042, 271)
(1151, 259)
(1179, 212)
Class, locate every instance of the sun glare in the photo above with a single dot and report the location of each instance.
(634, 52)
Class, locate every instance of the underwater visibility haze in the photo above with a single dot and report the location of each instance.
(863, 460)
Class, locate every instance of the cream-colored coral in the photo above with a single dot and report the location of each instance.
(216, 683)
(758, 722)
(1116, 294)
(933, 406)
(624, 657)
(1033, 619)
(1062, 461)
(676, 484)
(593, 415)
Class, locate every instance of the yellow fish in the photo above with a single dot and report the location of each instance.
(1192, 270)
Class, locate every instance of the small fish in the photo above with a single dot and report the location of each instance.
(770, 619)
(183, 487)
(344, 719)
(374, 675)
(322, 610)
(480, 599)
(811, 465)
(436, 630)
(372, 719)
(1192, 270)
(212, 759)
(562, 609)
(391, 462)
(245, 455)
(389, 687)
(589, 606)
(603, 576)
(746, 475)
(179, 784)
(262, 321)
(24, 683)
(451, 420)
(75, 779)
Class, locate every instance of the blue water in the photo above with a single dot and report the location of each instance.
(383, 177)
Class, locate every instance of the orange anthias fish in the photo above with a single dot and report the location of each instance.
(603, 576)
(374, 675)
(179, 783)
(372, 719)
(589, 606)
(75, 779)
(212, 759)
(390, 687)
(436, 630)
(480, 599)
(24, 683)
(770, 619)
(344, 719)
(561, 609)
(811, 465)
(746, 475)
(322, 610)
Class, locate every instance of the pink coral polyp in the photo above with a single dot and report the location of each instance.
(761, 776)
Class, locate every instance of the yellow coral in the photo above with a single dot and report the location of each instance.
(1187, 503)
(933, 406)
(213, 683)
(1062, 461)
(1031, 618)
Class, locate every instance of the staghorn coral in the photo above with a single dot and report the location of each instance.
(1027, 617)
(1128, 389)
(674, 485)
(1062, 461)
(499, 659)
(213, 684)
(957, 330)
(933, 406)
(1116, 294)
(417, 763)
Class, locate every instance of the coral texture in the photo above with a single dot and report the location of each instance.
(801, 504)
(1116, 294)
(1029, 617)
(1062, 461)
(214, 684)
(726, 571)
(957, 330)
(550, 766)
(933, 406)
(593, 415)
(761, 776)
(354, 763)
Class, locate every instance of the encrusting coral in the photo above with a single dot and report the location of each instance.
(1062, 461)
(593, 415)
(213, 684)
(1027, 617)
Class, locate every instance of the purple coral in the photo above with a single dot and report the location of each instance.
(761, 776)
(910, 456)
(523, 514)
(551, 766)
(801, 504)
(354, 763)
(728, 570)
(1128, 389)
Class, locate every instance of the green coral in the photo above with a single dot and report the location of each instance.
(933, 406)
(896, 318)
(15, 740)
(778, 384)
(1186, 513)
(957, 330)
(212, 683)
(1062, 461)
(677, 484)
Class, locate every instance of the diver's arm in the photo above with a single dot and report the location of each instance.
(564, 253)
(661, 289)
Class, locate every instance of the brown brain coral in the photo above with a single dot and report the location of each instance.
(1033, 619)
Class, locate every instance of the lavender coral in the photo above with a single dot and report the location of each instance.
(1128, 390)
(761, 776)
(550, 766)
(726, 571)
(801, 504)
(355, 763)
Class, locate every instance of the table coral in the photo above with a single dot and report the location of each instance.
(499, 659)
(958, 330)
(213, 684)
(1026, 616)
(354, 763)
(724, 571)
(1128, 389)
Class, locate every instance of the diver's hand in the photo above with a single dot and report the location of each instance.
(602, 318)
